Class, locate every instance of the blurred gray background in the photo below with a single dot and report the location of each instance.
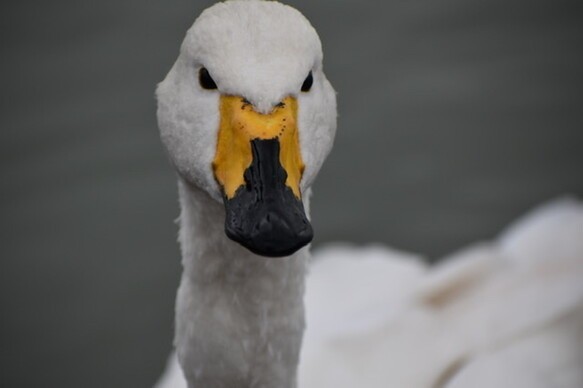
(456, 116)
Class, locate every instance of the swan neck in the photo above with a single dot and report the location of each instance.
(239, 316)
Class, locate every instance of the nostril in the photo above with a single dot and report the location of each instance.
(279, 105)
(273, 224)
(265, 225)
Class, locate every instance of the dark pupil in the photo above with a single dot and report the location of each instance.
(307, 85)
(205, 79)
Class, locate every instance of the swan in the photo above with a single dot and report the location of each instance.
(503, 313)
(247, 117)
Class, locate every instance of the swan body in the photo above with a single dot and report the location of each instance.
(505, 313)
(386, 319)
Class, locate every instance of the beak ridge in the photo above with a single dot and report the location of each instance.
(264, 215)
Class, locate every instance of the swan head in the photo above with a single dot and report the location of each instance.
(247, 115)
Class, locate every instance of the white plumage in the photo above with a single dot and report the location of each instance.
(502, 314)
(505, 313)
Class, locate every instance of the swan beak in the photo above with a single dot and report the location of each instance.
(259, 167)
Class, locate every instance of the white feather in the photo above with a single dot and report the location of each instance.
(475, 320)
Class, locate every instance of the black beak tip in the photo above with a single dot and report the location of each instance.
(273, 236)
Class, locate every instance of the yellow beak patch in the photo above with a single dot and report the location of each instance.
(239, 124)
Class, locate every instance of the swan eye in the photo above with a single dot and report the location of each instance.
(205, 79)
(307, 85)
